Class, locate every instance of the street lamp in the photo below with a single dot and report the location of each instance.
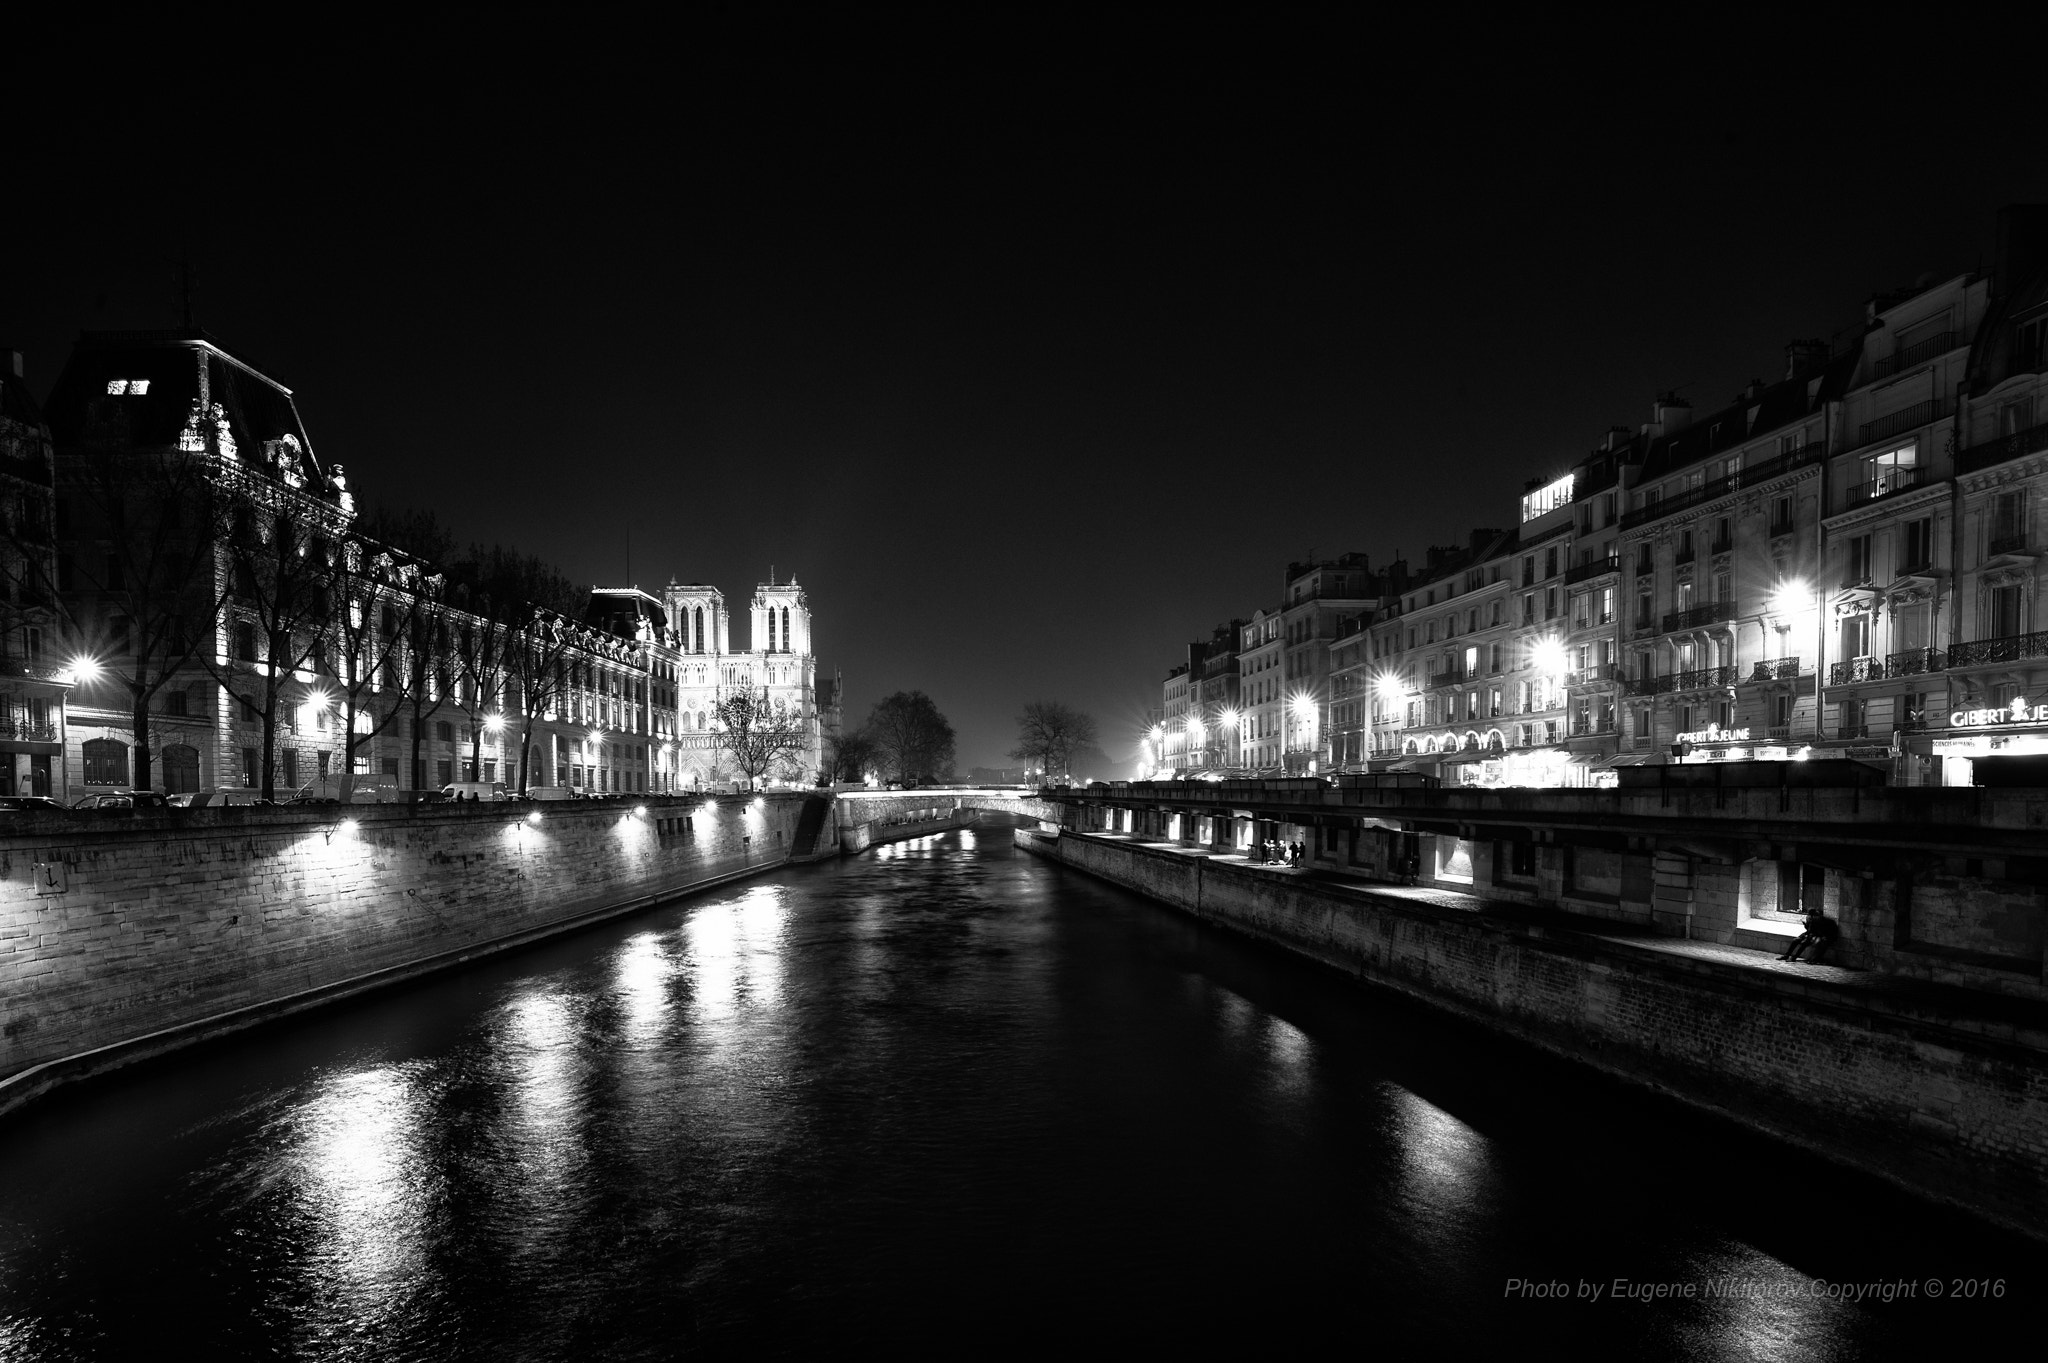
(1229, 721)
(83, 671)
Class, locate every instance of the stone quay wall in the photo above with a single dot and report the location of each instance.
(124, 935)
(1953, 1107)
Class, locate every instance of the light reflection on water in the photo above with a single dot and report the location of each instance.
(362, 1178)
(900, 1097)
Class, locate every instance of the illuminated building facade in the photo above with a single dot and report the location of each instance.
(1262, 697)
(33, 678)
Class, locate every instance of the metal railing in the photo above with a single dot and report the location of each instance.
(1586, 676)
(1685, 555)
(1775, 669)
(1915, 661)
(1919, 414)
(1702, 678)
(1579, 572)
(2031, 440)
(1714, 612)
(1780, 528)
(1778, 731)
(2010, 648)
(1647, 686)
(1855, 670)
(1720, 487)
(1896, 480)
(1721, 546)
(2006, 544)
(1584, 728)
(1852, 731)
(1920, 351)
(25, 732)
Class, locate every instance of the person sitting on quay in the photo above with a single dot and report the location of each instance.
(1821, 932)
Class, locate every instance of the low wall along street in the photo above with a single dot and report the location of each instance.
(125, 936)
(1954, 1108)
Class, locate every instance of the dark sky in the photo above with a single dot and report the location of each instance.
(1027, 383)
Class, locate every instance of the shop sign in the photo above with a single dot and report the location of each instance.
(1714, 733)
(2019, 712)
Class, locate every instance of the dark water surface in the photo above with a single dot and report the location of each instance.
(945, 1098)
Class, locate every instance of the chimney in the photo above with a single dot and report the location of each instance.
(1803, 357)
(1617, 436)
(2020, 245)
(1669, 414)
(1754, 391)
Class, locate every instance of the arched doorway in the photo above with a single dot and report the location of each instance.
(181, 769)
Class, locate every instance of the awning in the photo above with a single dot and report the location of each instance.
(1628, 759)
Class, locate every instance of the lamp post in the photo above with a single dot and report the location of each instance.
(1229, 721)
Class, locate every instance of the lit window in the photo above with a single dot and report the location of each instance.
(133, 388)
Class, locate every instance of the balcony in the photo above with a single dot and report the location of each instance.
(1915, 662)
(1856, 670)
(1852, 731)
(1776, 669)
(1714, 612)
(1899, 361)
(1587, 676)
(1449, 677)
(1780, 529)
(1599, 567)
(1722, 546)
(2005, 544)
(1704, 678)
(2009, 649)
(1778, 732)
(2032, 440)
(1685, 555)
(1891, 481)
(1721, 487)
(1645, 566)
(1646, 686)
(1919, 414)
(1586, 728)
(21, 731)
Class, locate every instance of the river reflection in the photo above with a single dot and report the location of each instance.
(940, 1099)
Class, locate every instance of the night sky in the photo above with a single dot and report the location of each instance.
(1027, 382)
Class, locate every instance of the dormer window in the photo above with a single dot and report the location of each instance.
(132, 388)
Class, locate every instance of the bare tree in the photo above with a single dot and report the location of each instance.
(912, 739)
(138, 591)
(278, 551)
(849, 756)
(1050, 733)
(381, 599)
(536, 606)
(759, 735)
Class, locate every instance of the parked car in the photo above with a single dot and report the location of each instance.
(474, 790)
(553, 793)
(217, 799)
(370, 788)
(121, 799)
(29, 804)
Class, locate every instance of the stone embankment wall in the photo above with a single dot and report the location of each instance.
(1952, 1106)
(124, 935)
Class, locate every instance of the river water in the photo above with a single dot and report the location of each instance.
(943, 1097)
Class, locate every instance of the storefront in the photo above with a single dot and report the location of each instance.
(2015, 730)
(1527, 768)
(1716, 744)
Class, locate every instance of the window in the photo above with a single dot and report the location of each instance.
(444, 731)
(446, 770)
(1856, 560)
(2003, 612)
(181, 769)
(290, 760)
(177, 704)
(2015, 416)
(252, 770)
(1781, 515)
(250, 714)
(2008, 523)
(1891, 471)
(245, 642)
(1550, 562)
(2031, 347)
(1916, 544)
(133, 388)
(1605, 614)
(106, 762)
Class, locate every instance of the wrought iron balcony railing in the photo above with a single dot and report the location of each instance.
(1722, 486)
(1852, 731)
(1586, 676)
(1918, 353)
(2032, 440)
(2006, 544)
(1647, 686)
(1919, 414)
(1713, 612)
(1915, 661)
(25, 732)
(1775, 669)
(1785, 527)
(1856, 670)
(2009, 649)
(1892, 480)
(1598, 567)
(1702, 678)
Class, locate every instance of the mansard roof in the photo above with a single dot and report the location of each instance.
(618, 610)
(255, 409)
(1779, 405)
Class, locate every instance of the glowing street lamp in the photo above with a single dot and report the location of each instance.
(83, 671)
(1550, 657)
(494, 723)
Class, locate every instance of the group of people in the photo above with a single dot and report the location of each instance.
(1273, 852)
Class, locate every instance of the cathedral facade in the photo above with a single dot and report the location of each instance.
(777, 663)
